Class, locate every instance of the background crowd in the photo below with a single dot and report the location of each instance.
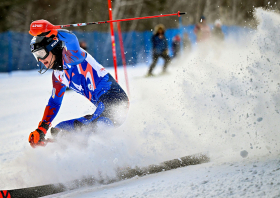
(205, 19)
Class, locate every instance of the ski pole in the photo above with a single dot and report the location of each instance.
(40, 26)
(117, 20)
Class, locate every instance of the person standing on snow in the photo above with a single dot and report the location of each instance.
(217, 32)
(202, 30)
(176, 44)
(218, 38)
(75, 68)
(160, 49)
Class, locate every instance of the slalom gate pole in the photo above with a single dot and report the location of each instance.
(123, 57)
(117, 20)
(112, 28)
(181, 36)
(113, 40)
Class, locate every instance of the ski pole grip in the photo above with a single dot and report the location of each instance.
(180, 13)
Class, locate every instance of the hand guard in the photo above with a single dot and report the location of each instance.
(37, 137)
(42, 27)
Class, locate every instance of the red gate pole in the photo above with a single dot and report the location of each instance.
(113, 40)
(123, 57)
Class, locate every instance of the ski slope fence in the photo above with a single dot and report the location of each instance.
(15, 46)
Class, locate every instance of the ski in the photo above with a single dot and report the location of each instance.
(123, 174)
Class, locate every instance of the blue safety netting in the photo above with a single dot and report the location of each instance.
(15, 51)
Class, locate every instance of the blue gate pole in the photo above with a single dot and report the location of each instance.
(10, 55)
(181, 34)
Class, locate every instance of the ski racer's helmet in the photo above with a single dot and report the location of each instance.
(41, 46)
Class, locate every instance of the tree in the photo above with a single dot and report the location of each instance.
(17, 15)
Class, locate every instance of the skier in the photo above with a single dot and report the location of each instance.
(75, 68)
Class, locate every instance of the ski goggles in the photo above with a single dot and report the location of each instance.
(41, 53)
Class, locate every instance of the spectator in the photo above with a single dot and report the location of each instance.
(217, 33)
(83, 45)
(217, 38)
(202, 30)
(160, 49)
(176, 43)
(187, 43)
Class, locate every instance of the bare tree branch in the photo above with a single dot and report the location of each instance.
(137, 13)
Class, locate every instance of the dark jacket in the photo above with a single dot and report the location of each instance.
(159, 44)
(218, 34)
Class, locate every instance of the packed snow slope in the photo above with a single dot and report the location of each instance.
(248, 178)
(222, 100)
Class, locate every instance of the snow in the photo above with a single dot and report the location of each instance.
(221, 102)
(250, 178)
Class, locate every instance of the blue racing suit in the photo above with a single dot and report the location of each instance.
(83, 74)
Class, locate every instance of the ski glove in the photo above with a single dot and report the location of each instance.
(37, 137)
(42, 28)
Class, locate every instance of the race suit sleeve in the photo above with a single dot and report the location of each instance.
(55, 100)
(72, 53)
